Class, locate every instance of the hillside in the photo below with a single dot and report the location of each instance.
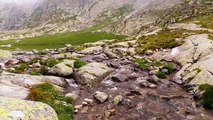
(106, 60)
(53, 16)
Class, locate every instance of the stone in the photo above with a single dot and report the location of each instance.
(5, 54)
(58, 56)
(88, 100)
(61, 69)
(91, 50)
(197, 50)
(78, 107)
(118, 99)
(84, 103)
(22, 109)
(101, 96)
(121, 76)
(74, 95)
(69, 63)
(36, 64)
(17, 85)
(91, 73)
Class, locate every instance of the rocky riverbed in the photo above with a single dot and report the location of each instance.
(107, 80)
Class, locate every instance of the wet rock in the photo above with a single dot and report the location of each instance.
(101, 96)
(92, 73)
(118, 99)
(78, 107)
(121, 76)
(147, 84)
(114, 65)
(156, 107)
(74, 95)
(90, 101)
(110, 112)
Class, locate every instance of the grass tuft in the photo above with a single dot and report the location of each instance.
(48, 94)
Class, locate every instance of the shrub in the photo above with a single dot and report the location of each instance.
(207, 97)
(169, 67)
(160, 75)
(48, 94)
(78, 63)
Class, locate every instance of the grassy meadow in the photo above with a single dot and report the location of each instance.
(58, 40)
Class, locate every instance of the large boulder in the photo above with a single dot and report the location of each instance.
(64, 68)
(91, 50)
(14, 109)
(17, 85)
(196, 57)
(91, 73)
(5, 55)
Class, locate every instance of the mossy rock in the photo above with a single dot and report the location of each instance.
(25, 110)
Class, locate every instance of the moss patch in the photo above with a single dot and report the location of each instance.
(48, 94)
(78, 63)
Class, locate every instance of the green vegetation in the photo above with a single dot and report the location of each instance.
(51, 62)
(59, 40)
(78, 63)
(161, 75)
(20, 68)
(164, 68)
(164, 39)
(48, 94)
(169, 67)
(207, 97)
(143, 63)
(206, 21)
(34, 72)
(147, 64)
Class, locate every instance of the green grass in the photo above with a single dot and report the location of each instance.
(206, 21)
(78, 63)
(164, 39)
(59, 40)
(161, 75)
(20, 68)
(207, 97)
(48, 94)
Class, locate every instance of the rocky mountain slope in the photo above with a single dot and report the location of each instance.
(53, 16)
(165, 72)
